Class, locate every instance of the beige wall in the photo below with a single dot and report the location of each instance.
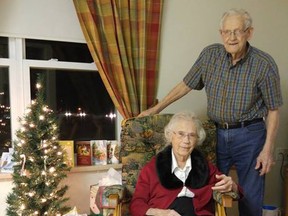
(5, 187)
(46, 19)
(188, 26)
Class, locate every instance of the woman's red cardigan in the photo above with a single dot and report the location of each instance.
(150, 192)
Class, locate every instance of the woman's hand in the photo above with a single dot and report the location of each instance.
(162, 212)
(225, 184)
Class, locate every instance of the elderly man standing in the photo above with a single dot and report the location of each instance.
(242, 84)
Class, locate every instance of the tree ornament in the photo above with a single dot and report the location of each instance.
(22, 172)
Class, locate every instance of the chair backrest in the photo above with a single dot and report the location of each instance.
(143, 137)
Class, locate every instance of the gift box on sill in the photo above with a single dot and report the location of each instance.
(84, 153)
(68, 147)
(113, 151)
(99, 152)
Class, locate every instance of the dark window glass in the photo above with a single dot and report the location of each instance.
(81, 102)
(62, 51)
(3, 47)
(5, 123)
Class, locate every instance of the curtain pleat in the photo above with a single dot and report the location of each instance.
(123, 38)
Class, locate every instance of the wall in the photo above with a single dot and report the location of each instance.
(46, 19)
(5, 187)
(188, 26)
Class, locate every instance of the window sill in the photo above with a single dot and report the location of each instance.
(77, 169)
(5, 176)
(96, 168)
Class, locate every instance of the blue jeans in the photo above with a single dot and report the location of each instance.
(240, 147)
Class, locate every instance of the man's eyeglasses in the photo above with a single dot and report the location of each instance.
(237, 32)
(181, 135)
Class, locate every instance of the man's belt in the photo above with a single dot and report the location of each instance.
(226, 125)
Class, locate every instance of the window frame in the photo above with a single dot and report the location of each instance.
(19, 79)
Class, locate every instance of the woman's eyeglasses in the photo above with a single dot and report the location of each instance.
(181, 135)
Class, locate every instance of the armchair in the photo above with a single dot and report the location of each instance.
(142, 138)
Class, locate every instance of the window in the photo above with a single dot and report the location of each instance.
(5, 120)
(60, 51)
(78, 97)
(75, 90)
(3, 47)
(5, 125)
(81, 102)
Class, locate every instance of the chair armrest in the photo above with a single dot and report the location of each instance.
(115, 203)
(113, 200)
(225, 199)
(114, 190)
(109, 196)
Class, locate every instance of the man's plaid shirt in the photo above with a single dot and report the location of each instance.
(244, 91)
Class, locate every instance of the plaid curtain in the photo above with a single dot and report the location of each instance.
(123, 38)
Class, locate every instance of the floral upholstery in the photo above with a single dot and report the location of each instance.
(142, 138)
(208, 147)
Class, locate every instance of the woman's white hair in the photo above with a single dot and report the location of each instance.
(186, 116)
(241, 12)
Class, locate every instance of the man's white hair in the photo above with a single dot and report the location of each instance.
(241, 12)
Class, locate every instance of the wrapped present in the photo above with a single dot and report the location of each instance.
(104, 200)
(106, 194)
(94, 209)
(6, 162)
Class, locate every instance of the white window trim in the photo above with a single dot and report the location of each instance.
(19, 80)
(19, 77)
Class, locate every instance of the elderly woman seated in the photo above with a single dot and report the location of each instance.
(179, 180)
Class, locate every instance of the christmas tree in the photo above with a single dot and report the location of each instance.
(39, 163)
